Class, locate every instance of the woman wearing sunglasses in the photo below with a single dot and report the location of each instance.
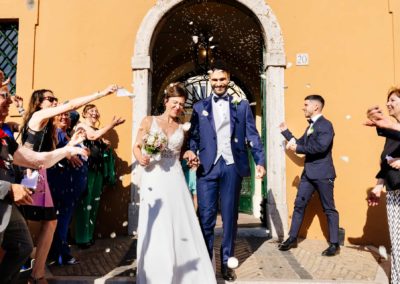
(39, 134)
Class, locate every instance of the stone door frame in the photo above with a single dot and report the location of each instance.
(275, 63)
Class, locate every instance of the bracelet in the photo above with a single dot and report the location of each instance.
(21, 110)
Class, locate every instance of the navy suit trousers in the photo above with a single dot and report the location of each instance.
(304, 194)
(222, 184)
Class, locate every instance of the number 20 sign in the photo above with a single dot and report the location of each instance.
(302, 59)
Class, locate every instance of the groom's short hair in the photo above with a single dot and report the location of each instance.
(315, 97)
(218, 65)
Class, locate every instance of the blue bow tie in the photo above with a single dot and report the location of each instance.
(217, 98)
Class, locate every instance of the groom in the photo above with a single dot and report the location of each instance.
(221, 128)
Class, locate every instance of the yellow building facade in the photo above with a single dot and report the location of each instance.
(278, 52)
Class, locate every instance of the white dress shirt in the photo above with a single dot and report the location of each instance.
(221, 114)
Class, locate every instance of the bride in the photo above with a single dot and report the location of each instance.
(171, 248)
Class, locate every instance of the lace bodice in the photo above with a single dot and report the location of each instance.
(174, 144)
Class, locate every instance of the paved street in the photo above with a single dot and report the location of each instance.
(113, 261)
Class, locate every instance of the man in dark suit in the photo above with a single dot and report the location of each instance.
(318, 174)
(221, 128)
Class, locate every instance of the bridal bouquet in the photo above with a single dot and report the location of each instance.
(153, 144)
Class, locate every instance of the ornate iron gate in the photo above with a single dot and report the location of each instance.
(8, 51)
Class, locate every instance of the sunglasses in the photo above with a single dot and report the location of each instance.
(50, 99)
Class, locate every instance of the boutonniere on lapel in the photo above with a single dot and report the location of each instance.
(310, 130)
(204, 113)
(236, 100)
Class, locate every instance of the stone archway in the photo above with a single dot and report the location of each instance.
(274, 58)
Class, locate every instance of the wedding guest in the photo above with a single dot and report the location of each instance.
(38, 133)
(15, 238)
(190, 177)
(389, 177)
(318, 175)
(67, 181)
(86, 212)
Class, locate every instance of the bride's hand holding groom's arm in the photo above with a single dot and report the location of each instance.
(192, 159)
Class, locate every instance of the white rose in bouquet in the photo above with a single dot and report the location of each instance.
(153, 144)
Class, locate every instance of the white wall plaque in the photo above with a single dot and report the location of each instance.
(302, 59)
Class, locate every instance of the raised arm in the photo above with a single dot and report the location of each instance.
(92, 134)
(47, 113)
(288, 135)
(27, 158)
(388, 133)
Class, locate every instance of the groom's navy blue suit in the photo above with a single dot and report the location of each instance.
(318, 174)
(218, 180)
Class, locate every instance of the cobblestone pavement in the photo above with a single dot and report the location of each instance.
(113, 261)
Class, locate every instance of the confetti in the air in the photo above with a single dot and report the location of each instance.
(30, 4)
(345, 159)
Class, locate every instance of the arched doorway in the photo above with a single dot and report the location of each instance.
(160, 57)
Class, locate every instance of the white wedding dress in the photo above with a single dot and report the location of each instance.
(171, 248)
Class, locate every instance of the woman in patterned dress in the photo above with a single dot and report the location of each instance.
(389, 177)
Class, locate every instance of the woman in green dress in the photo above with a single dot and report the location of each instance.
(88, 206)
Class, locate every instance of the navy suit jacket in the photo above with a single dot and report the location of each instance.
(203, 138)
(317, 148)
